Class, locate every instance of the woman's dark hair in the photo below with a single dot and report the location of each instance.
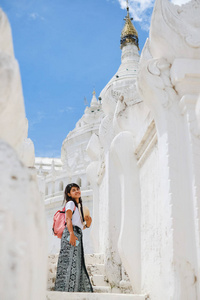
(68, 198)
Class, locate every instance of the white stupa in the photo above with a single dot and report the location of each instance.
(73, 152)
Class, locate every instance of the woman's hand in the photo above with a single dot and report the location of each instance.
(73, 239)
(88, 220)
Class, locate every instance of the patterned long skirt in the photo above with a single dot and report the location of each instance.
(72, 275)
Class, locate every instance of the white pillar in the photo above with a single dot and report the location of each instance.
(178, 249)
(129, 242)
(92, 177)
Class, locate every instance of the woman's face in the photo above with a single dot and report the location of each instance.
(75, 193)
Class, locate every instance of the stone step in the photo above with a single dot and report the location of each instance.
(98, 269)
(93, 259)
(92, 296)
(102, 289)
(107, 289)
(99, 280)
(125, 287)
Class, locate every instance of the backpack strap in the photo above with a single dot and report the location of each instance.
(64, 211)
(74, 209)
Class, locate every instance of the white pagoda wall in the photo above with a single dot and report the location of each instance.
(23, 253)
(168, 82)
(110, 220)
(148, 161)
(120, 100)
(151, 220)
(103, 217)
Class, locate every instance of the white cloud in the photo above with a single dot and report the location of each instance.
(180, 2)
(40, 116)
(141, 10)
(34, 16)
(48, 153)
(66, 109)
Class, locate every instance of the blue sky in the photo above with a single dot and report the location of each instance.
(65, 49)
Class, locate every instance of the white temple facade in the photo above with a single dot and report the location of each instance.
(125, 116)
(143, 167)
(145, 175)
(136, 157)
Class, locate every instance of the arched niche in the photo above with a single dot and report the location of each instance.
(46, 190)
(79, 181)
(60, 186)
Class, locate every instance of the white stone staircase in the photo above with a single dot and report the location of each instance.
(96, 270)
(102, 289)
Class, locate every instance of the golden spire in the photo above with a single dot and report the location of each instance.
(129, 33)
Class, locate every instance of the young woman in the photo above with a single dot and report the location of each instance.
(72, 275)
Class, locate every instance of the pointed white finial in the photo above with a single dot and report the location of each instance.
(94, 101)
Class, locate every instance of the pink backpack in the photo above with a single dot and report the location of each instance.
(59, 222)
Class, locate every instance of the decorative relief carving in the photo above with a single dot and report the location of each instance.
(184, 20)
(115, 94)
(175, 30)
(128, 95)
(154, 82)
(160, 68)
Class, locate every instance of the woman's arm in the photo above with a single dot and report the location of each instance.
(73, 238)
(88, 221)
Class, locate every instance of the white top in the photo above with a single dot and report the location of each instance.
(76, 219)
